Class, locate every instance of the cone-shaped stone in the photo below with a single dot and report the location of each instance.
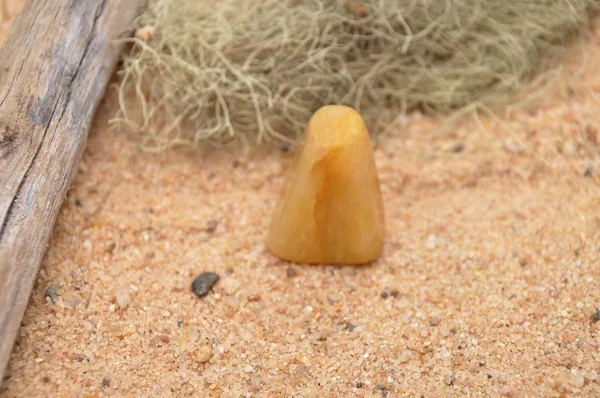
(330, 210)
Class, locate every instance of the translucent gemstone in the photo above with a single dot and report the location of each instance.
(330, 209)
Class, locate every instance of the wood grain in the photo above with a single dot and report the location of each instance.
(54, 67)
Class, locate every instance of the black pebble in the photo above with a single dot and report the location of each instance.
(588, 172)
(596, 315)
(203, 282)
(359, 384)
(384, 294)
(211, 226)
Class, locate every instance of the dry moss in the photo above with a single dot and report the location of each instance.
(257, 70)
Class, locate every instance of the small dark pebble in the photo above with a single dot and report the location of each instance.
(111, 247)
(380, 387)
(291, 272)
(394, 292)
(359, 384)
(481, 364)
(350, 327)
(588, 172)
(51, 291)
(458, 148)
(203, 282)
(523, 262)
(284, 148)
(596, 315)
(78, 203)
(384, 294)
(179, 324)
(489, 376)
(79, 358)
(211, 226)
(46, 379)
(105, 382)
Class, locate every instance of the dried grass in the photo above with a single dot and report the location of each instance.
(257, 70)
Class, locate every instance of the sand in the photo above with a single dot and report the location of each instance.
(487, 284)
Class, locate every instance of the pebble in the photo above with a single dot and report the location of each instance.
(211, 226)
(578, 380)
(123, 297)
(512, 146)
(394, 292)
(106, 382)
(445, 355)
(434, 321)
(322, 336)
(204, 353)
(588, 172)
(596, 315)
(52, 293)
(350, 327)
(384, 294)
(249, 369)
(255, 383)
(230, 286)
(431, 241)
(291, 272)
(204, 282)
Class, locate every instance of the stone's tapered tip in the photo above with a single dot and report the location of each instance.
(330, 209)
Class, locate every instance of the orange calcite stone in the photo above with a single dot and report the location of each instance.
(330, 210)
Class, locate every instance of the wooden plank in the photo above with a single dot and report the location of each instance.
(54, 68)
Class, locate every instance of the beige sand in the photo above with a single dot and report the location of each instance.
(493, 244)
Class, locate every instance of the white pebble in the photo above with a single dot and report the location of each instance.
(579, 305)
(230, 286)
(123, 297)
(431, 241)
(445, 355)
(248, 369)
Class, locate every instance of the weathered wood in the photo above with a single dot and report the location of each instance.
(54, 68)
